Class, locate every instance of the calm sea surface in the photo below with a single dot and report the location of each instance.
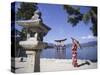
(84, 53)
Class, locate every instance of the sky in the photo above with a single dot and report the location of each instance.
(55, 17)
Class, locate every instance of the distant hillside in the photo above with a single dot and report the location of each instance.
(91, 43)
(50, 45)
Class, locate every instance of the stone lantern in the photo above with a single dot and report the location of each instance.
(33, 44)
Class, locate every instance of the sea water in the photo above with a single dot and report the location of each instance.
(89, 53)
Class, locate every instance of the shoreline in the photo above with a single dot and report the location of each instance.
(48, 65)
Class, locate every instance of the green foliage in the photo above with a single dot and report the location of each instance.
(26, 11)
(86, 18)
(75, 16)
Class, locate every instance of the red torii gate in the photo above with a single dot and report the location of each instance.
(61, 48)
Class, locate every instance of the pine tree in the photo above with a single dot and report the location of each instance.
(75, 16)
(26, 11)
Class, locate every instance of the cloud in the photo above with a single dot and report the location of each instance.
(88, 37)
